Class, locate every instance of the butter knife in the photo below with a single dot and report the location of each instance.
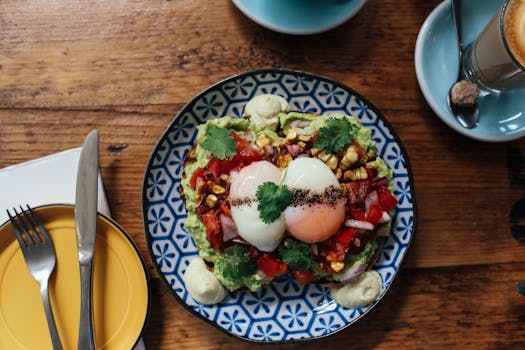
(86, 230)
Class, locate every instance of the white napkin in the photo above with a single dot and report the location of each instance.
(47, 180)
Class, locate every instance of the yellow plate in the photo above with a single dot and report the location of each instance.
(120, 287)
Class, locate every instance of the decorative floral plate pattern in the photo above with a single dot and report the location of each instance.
(283, 310)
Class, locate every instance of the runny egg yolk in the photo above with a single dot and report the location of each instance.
(318, 221)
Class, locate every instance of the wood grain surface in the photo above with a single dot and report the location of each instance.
(127, 67)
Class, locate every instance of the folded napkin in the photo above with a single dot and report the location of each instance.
(47, 180)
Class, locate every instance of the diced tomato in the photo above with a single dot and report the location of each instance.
(241, 142)
(357, 213)
(303, 277)
(270, 265)
(374, 214)
(249, 155)
(213, 228)
(228, 165)
(214, 167)
(345, 237)
(225, 209)
(386, 199)
(196, 174)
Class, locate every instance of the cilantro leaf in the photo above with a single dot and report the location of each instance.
(336, 134)
(296, 254)
(273, 199)
(237, 263)
(219, 142)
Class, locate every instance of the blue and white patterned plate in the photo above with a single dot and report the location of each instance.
(283, 310)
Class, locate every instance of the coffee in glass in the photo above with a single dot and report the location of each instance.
(495, 61)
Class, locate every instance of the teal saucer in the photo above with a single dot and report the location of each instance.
(299, 17)
(502, 118)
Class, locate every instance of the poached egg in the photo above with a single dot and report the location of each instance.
(243, 188)
(312, 220)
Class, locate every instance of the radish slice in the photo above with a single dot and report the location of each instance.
(359, 224)
(352, 274)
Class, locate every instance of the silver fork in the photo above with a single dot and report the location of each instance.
(39, 254)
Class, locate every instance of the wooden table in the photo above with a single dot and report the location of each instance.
(127, 67)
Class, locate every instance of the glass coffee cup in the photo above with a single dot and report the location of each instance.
(495, 61)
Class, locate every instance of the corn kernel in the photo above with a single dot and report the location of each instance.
(304, 138)
(224, 177)
(337, 266)
(324, 156)
(314, 151)
(262, 141)
(350, 158)
(218, 189)
(332, 162)
(284, 160)
(338, 173)
(292, 134)
(211, 200)
(302, 144)
(355, 174)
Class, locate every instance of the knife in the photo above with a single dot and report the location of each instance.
(86, 231)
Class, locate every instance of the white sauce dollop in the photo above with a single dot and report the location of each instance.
(202, 284)
(263, 110)
(360, 293)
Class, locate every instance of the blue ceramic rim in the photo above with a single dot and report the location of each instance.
(285, 30)
(434, 104)
(189, 106)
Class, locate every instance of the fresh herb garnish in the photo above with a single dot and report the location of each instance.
(336, 134)
(219, 142)
(237, 263)
(273, 199)
(296, 254)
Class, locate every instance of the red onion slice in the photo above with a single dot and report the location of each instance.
(315, 249)
(359, 224)
(385, 218)
(370, 200)
(299, 123)
(352, 274)
(299, 127)
(240, 241)
(294, 150)
(229, 229)
(378, 182)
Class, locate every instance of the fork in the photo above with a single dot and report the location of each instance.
(39, 254)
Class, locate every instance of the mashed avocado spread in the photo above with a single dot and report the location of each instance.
(255, 279)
